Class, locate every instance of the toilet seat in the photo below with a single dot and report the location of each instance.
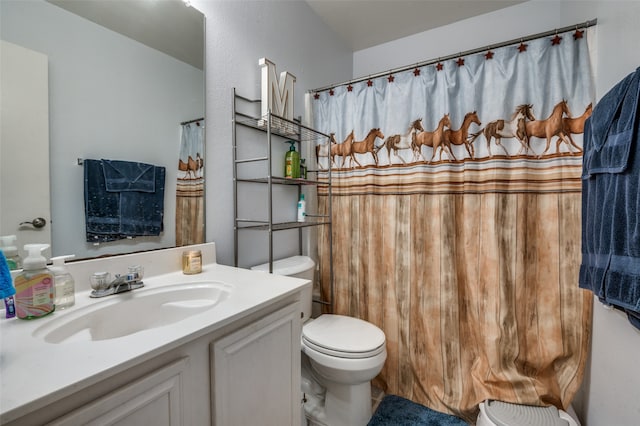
(343, 354)
(343, 337)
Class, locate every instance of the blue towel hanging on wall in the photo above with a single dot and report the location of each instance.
(122, 199)
(611, 199)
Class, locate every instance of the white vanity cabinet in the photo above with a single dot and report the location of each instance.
(156, 399)
(256, 372)
(245, 373)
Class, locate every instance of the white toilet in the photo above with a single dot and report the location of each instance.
(340, 357)
(498, 413)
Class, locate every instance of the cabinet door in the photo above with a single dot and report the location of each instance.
(155, 399)
(256, 372)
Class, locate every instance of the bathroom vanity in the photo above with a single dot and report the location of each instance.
(223, 348)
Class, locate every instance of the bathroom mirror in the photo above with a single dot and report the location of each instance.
(122, 77)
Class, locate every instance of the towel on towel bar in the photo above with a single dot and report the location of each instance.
(128, 176)
(611, 199)
(122, 199)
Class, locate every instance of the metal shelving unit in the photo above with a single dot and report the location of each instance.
(276, 127)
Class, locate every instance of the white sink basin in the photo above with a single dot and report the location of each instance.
(134, 311)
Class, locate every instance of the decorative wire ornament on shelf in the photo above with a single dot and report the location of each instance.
(282, 126)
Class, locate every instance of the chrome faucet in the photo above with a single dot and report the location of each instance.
(102, 284)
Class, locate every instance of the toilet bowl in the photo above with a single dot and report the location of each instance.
(344, 354)
(340, 357)
(498, 413)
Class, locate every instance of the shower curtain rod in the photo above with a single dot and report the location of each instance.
(192, 121)
(586, 24)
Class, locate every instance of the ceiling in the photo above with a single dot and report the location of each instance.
(168, 26)
(175, 29)
(366, 23)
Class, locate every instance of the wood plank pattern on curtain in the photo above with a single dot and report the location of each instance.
(456, 222)
(189, 217)
(476, 293)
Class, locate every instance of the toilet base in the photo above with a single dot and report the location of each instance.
(348, 405)
(334, 404)
(343, 405)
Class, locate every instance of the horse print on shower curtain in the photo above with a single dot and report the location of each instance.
(456, 222)
(190, 187)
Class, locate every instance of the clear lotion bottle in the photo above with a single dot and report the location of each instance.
(34, 285)
(7, 245)
(63, 281)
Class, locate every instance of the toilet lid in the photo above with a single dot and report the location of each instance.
(506, 414)
(343, 336)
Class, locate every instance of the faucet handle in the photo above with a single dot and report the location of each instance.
(100, 280)
(136, 272)
(102, 284)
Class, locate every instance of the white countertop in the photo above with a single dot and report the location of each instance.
(35, 373)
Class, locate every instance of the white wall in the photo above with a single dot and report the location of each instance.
(24, 123)
(239, 33)
(609, 395)
(109, 97)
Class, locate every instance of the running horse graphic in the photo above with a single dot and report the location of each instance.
(550, 127)
(461, 136)
(397, 142)
(367, 145)
(191, 166)
(514, 128)
(433, 139)
(342, 149)
(324, 149)
(574, 126)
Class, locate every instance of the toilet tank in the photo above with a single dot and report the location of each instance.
(297, 267)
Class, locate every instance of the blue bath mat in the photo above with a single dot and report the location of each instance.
(397, 411)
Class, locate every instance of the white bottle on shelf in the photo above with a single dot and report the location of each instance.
(302, 209)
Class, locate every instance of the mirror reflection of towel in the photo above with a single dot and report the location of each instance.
(128, 176)
(122, 199)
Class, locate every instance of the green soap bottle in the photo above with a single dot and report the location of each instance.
(292, 162)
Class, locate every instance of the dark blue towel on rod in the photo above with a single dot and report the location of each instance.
(611, 199)
(122, 199)
(128, 176)
(102, 208)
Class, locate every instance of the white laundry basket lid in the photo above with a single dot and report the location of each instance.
(288, 266)
(339, 334)
(507, 414)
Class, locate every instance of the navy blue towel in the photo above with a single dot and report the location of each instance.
(397, 411)
(611, 199)
(128, 176)
(122, 199)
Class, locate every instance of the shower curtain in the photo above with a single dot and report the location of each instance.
(190, 215)
(456, 222)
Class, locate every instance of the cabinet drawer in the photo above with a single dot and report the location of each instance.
(155, 399)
